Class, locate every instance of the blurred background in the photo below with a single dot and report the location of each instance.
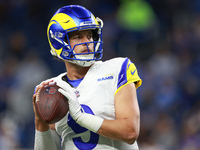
(162, 38)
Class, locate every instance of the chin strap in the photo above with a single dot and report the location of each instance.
(81, 63)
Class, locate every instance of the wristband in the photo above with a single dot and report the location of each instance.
(91, 122)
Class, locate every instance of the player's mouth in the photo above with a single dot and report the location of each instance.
(86, 51)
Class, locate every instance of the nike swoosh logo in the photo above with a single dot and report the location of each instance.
(132, 72)
(66, 21)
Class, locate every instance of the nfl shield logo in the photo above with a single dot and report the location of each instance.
(50, 90)
(77, 94)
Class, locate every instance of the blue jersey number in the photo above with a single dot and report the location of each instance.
(80, 144)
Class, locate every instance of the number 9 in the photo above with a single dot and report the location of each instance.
(79, 143)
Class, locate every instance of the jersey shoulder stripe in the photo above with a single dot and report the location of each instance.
(128, 74)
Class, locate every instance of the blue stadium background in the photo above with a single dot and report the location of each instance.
(161, 37)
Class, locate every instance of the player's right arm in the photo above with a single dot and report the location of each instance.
(46, 138)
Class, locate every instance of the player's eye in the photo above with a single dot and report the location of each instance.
(89, 36)
(77, 37)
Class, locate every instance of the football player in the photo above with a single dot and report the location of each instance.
(103, 106)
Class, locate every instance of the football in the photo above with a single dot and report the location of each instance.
(51, 106)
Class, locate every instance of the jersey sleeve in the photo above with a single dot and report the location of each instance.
(128, 74)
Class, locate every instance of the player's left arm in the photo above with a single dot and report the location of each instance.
(127, 123)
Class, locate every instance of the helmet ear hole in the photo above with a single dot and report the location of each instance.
(97, 55)
(95, 35)
(66, 39)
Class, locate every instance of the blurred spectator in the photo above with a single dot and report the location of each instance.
(8, 134)
(29, 72)
(136, 15)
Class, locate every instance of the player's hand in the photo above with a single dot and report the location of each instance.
(75, 108)
(38, 87)
(89, 121)
(39, 124)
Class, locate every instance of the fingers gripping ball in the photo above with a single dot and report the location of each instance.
(51, 106)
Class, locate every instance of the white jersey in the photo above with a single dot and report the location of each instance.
(96, 95)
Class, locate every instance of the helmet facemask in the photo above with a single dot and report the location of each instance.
(94, 51)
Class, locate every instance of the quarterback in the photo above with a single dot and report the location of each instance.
(103, 106)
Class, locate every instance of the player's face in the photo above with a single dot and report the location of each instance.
(78, 37)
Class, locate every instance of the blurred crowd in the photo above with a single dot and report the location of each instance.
(162, 38)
